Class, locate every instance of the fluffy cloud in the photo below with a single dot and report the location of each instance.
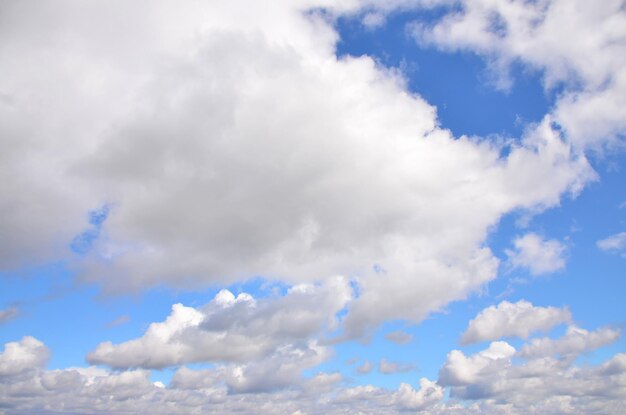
(539, 255)
(410, 399)
(575, 342)
(541, 383)
(27, 354)
(575, 44)
(235, 329)
(513, 319)
(166, 120)
(462, 370)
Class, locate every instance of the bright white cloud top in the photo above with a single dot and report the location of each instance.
(216, 144)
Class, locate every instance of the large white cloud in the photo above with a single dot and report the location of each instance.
(230, 142)
(513, 319)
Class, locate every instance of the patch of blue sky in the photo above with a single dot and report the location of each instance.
(83, 242)
(457, 83)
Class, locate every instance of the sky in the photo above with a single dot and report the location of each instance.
(312, 207)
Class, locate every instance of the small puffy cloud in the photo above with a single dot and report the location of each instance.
(519, 319)
(460, 369)
(574, 342)
(229, 328)
(399, 337)
(613, 243)
(538, 255)
(8, 314)
(409, 399)
(388, 367)
(27, 354)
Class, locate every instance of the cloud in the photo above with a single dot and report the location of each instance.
(27, 354)
(519, 319)
(614, 243)
(462, 370)
(538, 382)
(165, 121)
(399, 337)
(8, 314)
(387, 367)
(575, 342)
(538, 255)
(574, 45)
(365, 368)
(429, 393)
(489, 381)
(118, 321)
(232, 329)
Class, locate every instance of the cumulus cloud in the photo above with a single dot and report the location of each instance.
(539, 382)
(613, 243)
(232, 329)
(460, 369)
(487, 382)
(575, 45)
(538, 255)
(407, 398)
(575, 342)
(27, 354)
(519, 319)
(162, 121)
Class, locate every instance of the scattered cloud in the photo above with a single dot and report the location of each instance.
(119, 321)
(575, 45)
(399, 337)
(614, 243)
(387, 367)
(538, 255)
(365, 368)
(8, 314)
(519, 319)
(575, 342)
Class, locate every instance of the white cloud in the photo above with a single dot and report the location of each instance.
(538, 255)
(27, 354)
(614, 243)
(428, 394)
(575, 342)
(575, 44)
(462, 370)
(489, 378)
(519, 319)
(166, 119)
(233, 329)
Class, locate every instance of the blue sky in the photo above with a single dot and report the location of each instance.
(313, 208)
